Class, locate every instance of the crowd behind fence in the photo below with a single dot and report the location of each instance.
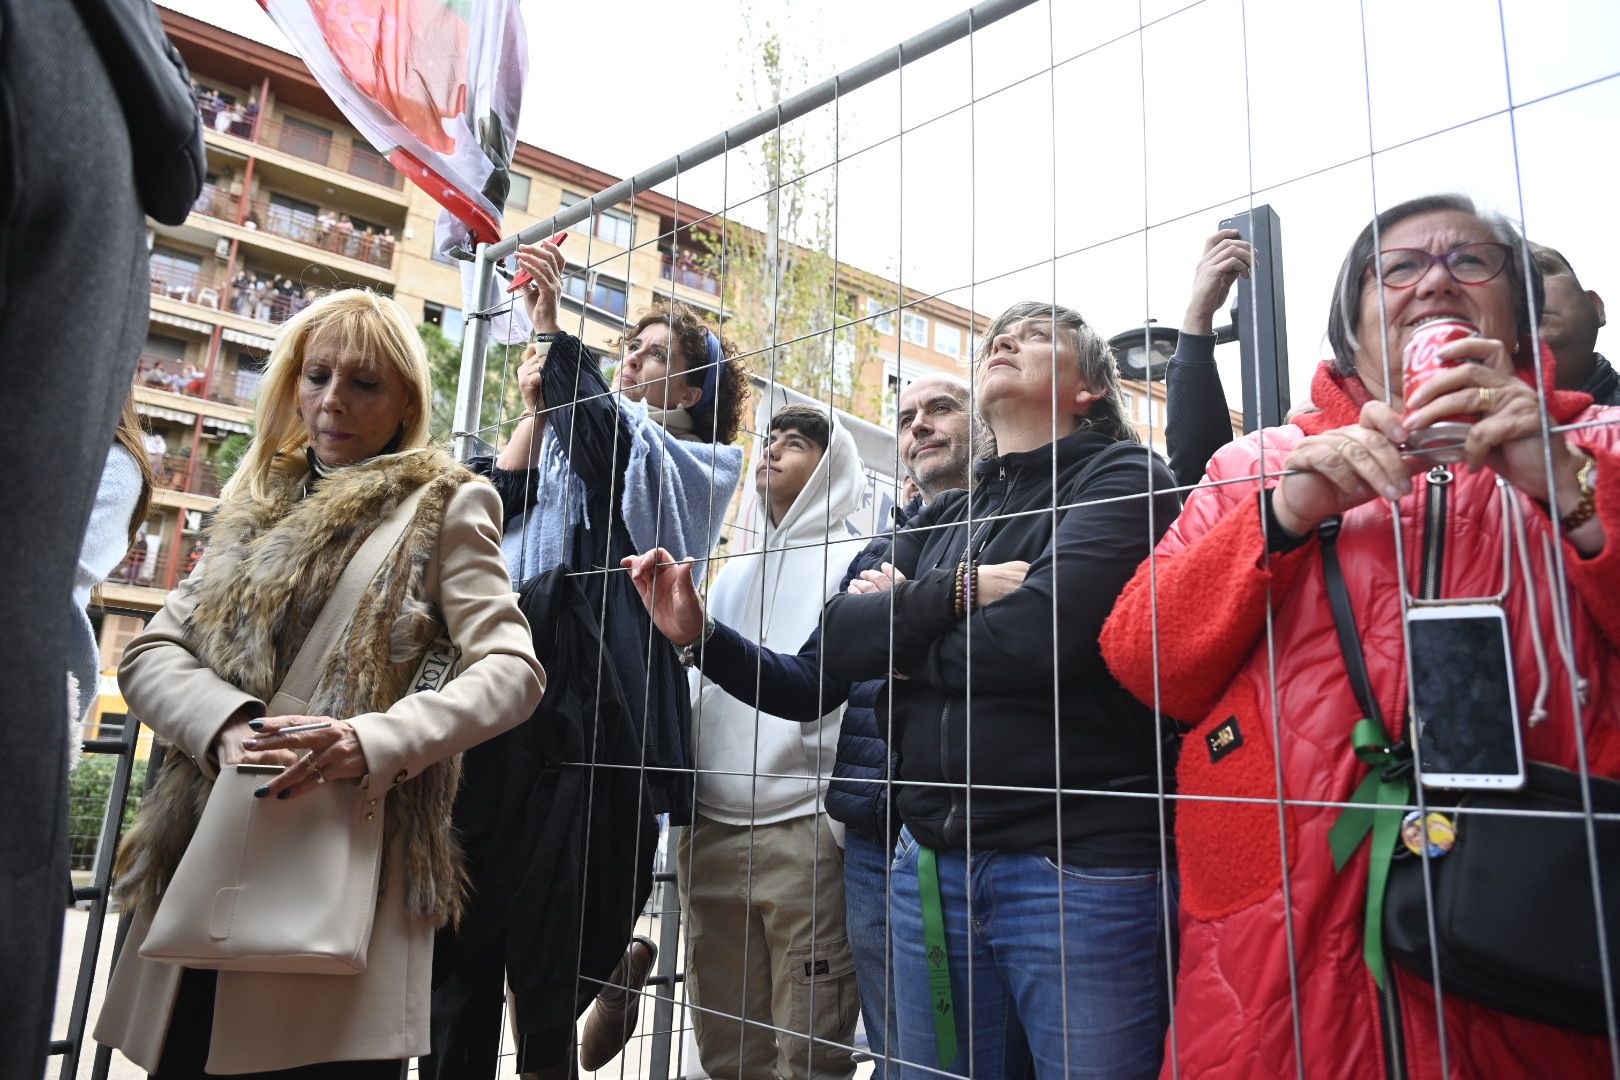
(1023, 749)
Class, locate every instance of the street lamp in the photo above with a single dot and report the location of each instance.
(1144, 351)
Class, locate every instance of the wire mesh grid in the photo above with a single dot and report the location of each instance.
(1236, 664)
(1054, 1052)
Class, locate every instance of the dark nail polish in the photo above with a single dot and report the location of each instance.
(283, 793)
(256, 725)
(260, 793)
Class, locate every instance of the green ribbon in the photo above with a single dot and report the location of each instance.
(1380, 803)
(939, 970)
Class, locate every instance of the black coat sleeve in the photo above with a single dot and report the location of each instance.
(516, 487)
(1197, 422)
(858, 630)
(584, 413)
(794, 687)
(1099, 542)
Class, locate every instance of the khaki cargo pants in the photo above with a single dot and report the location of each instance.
(767, 951)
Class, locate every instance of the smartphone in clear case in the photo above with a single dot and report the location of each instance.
(1466, 711)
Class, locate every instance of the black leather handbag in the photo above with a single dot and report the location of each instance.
(1516, 924)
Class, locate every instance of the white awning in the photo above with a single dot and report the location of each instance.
(227, 426)
(157, 412)
(184, 324)
(252, 341)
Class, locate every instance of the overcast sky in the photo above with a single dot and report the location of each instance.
(1159, 134)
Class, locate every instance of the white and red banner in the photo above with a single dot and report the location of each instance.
(435, 85)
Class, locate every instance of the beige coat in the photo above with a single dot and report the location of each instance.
(264, 1021)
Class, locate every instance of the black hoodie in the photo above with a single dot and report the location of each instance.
(1103, 738)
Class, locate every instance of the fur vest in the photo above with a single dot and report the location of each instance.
(271, 566)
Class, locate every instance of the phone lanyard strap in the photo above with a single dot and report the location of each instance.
(1344, 619)
(1380, 800)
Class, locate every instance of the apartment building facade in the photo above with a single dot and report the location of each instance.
(296, 203)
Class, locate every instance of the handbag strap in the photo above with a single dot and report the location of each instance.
(340, 606)
(1344, 620)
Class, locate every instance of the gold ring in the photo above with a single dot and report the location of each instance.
(1484, 399)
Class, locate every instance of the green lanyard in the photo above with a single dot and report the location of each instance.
(1379, 803)
(939, 970)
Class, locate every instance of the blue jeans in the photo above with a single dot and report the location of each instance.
(866, 918)
(1091, 1000)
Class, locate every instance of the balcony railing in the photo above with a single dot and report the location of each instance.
(231, 386)
(260, 300)
(321, 231)
(187, 286)
(683, 270)
(167, 568)
(355, 158)
(176, 472)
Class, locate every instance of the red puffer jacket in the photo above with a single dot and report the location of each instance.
(1235, 1010)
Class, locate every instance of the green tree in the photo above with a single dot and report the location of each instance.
(502, 402)
(228, 455)
(780, 283)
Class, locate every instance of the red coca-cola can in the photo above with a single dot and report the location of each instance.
(1442, 441)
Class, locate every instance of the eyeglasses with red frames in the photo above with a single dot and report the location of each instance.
(1468, 264)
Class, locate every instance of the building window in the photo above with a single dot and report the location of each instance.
(1128, 400)
(882, 321)
(914, 328)
(596, 290)
(517, 197)
(948, 340)
(293, 218)
(895, 384)
(305, 140)
(614, 226)
(447, 319)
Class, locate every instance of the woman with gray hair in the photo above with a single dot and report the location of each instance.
(1237, 606)
(1030, 904)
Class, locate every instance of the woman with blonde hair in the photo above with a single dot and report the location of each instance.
(341, 442)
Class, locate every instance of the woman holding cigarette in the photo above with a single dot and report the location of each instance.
(341, 444)
(1288, 549)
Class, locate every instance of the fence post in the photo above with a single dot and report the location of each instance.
(475, 336)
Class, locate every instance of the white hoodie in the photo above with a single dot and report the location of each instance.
(775, 599)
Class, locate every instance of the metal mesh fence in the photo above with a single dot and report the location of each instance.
(1087, 784)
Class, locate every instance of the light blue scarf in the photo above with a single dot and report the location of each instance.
(676, 494)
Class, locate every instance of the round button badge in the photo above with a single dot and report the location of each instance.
(1438, 829)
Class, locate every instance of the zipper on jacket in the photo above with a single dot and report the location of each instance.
(944, 767)
(1434, 555)
(945, 713)
(1389, 1015)
(1434, 540)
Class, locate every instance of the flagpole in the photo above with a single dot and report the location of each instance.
(474, 339)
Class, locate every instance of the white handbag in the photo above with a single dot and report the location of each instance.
(288, 885)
